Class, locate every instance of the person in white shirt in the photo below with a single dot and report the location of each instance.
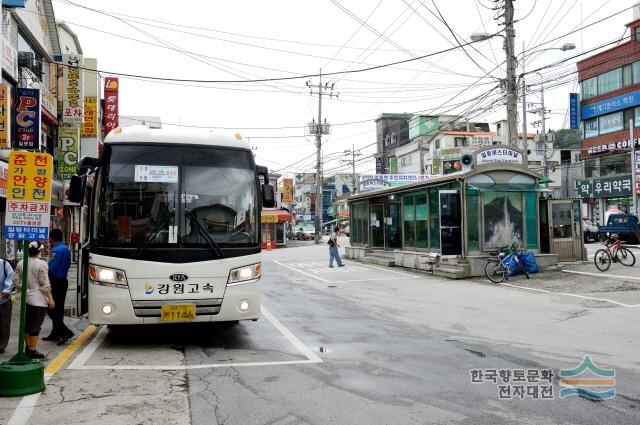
(333, 248)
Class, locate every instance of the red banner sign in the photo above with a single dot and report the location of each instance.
(111, 85)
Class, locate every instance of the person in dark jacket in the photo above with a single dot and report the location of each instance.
(59, 265)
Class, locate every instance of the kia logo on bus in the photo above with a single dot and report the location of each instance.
(178, 277)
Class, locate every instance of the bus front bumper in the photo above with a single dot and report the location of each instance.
(110, 305)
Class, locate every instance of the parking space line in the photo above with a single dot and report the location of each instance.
(365, 265)
(311, 357)
(601, 274)
(571, 295)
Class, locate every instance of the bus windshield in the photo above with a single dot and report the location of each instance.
(166, 196)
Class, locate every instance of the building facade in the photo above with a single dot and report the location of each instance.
(610, 115)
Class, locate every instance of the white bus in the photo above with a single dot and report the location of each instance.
(171, 229)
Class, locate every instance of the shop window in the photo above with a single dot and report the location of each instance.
(610, 81)
(459, 142)
(589, 88)
(636, 117)
(591, 168)
(422, 221)
(615, 165)
(591, 128)
(635, 70)
(561, 215)
(531, 219)
(628, 116)
(610, 123)
(637, 32)
(473, 242)
(502, 212)
(409, 225)
(626, 75)
(434, 218)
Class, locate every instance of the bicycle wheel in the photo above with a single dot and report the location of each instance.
(626, 257)
(602, 260)
(494, 271)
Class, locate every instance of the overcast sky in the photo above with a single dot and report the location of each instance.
(253, 39)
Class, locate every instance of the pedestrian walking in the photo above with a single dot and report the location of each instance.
(6, 273)
(58, 269)
(333, 248)
(39, 297)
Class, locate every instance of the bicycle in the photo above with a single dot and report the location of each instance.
(613, 252)
(497, 269)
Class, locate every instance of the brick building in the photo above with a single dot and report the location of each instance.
(610, 101)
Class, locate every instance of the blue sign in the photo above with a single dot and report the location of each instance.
(26, 233)
(13, 3)
(614, 104)
(574, 119)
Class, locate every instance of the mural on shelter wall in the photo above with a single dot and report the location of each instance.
(502, 219)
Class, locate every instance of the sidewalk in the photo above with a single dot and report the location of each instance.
(49, 348)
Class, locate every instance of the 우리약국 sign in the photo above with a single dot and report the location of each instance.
(28, 196)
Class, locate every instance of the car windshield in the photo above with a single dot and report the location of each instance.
(153, 195)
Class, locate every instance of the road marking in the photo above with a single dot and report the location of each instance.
(370, 280)
(601, 274)
(300, 271)
(24, 410)
(83, 357)
(571, 295)
(381, 268)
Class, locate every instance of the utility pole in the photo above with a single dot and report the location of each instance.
(511, 75)
(524, 105)
(352, 152)
(319, 129)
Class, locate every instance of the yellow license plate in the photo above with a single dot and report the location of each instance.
(178, 312)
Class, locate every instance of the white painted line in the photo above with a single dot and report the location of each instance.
(601, 274)
(300, 271)
(88, 351)
(23, 412)
(571, 295)
(81, 359)
(376, 279)
(365, 265)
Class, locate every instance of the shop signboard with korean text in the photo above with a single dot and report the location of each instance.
(67, 152)
(4, 173)
(28, 196)
(499, 155)
(72, 99)
(5, 116)
(606, 187)
(90, 123)
(574, 109)
(382, 181)
(287, 191)
(28, 118)
(110, 119)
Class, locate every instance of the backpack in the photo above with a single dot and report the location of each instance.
(330, 242)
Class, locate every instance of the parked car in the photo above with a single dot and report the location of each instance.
(589, 230)
(305, 232)
(624, 225)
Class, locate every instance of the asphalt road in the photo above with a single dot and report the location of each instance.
(362, 345)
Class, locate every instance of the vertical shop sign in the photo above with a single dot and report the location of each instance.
(90, 124)
(4, 172)
(28, 196)
(574, 111)
(111, 86)
(287, 191)
(28, 116)
(5, 116)
(72, 101)
(67, 152)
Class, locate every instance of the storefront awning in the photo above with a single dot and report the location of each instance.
(508, 187)
(274, 216)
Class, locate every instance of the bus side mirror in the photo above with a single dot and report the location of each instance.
(87, 164)
(76, 188)
(268, 196)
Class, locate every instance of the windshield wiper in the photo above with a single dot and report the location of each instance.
(203, 232)
(156, 230)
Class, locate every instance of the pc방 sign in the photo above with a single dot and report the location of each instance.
(67, 152)
(28, 196)
(28, 117)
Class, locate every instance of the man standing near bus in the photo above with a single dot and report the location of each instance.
(58, 269)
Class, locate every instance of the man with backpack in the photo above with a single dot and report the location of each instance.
(333, 248)
(6, 274)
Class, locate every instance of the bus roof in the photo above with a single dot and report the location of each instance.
(144, 134)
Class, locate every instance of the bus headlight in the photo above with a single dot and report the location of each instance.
(107, 275)
(243, 274)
